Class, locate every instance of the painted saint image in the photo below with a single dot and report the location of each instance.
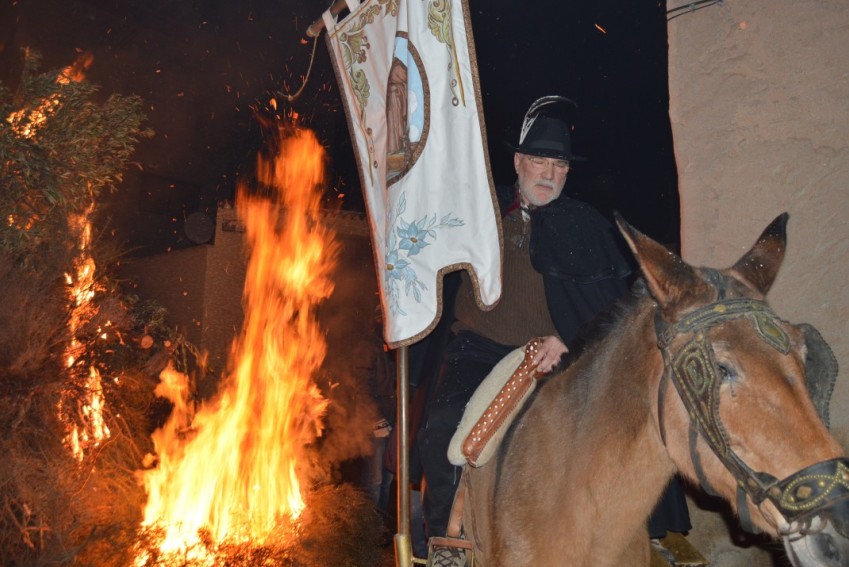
(405, 111)
(397, 142)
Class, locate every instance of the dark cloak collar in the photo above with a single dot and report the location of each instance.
(570, 239)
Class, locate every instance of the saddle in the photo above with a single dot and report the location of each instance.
(493, 407)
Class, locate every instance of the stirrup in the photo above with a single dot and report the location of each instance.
(450, 552)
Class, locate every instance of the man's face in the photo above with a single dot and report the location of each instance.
(541, 179)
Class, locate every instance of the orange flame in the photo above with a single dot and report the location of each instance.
(236, 473)
(26, 122)
(86, 426)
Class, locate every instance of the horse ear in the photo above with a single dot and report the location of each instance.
(759, 266)
(669, 278)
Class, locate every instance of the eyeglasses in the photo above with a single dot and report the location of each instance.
(560, 165)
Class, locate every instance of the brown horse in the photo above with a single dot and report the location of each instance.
(696, 375)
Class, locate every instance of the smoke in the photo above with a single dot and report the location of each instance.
(353, 341)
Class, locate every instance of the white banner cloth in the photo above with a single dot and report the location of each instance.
(409, 83)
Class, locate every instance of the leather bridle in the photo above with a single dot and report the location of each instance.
(695, 373)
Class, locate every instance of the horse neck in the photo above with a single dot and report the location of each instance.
(624, 368)
(614, 389)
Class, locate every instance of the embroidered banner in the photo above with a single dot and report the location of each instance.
(409, 83)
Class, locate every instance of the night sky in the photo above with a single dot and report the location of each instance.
(208, 70)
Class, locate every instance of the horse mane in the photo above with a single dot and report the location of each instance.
(600, 326)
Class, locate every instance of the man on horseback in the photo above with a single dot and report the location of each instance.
(561, 267)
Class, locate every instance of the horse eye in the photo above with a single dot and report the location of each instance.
(726, 373)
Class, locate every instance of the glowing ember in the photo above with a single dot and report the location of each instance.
(233, 470)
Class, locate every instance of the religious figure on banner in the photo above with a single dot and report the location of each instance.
(397, 141)
(405, 117)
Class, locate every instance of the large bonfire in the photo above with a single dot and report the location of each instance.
(232, 471)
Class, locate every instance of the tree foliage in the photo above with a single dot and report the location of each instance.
(59, 149)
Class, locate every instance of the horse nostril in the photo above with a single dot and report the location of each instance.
(821, 542)
(827, 549)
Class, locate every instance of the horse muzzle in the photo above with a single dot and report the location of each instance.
(823, 540)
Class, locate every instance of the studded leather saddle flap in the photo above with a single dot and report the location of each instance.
(493, 407)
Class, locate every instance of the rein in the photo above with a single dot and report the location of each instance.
(693, 370)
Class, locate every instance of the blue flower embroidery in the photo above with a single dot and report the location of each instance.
(413, 236)
(396, 268)
(404, 240)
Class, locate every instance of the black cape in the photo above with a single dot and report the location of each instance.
(579, 256)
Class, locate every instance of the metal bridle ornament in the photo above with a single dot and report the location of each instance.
(695, 373)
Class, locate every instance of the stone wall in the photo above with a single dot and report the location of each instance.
(759, 105)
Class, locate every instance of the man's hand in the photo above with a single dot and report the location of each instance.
(551, 349)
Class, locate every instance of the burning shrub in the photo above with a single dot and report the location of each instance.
(62, 325)
(54, 508)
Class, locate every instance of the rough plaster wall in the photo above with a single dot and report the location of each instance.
(225, 281)
(759, 104)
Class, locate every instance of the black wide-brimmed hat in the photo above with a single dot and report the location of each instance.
(545, 136)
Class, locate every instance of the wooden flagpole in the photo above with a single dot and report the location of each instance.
(403, 542)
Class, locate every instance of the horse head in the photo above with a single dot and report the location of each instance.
(740, 421)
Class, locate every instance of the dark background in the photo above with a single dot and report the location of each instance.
(208, 71)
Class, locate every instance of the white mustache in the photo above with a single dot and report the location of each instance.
(546, 183)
